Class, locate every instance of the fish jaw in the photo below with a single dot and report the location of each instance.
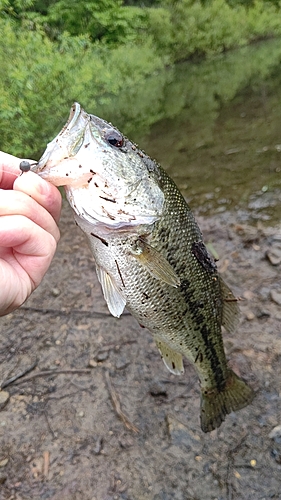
(65, 145)
(104, 185)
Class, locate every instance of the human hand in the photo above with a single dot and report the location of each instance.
(29, 212)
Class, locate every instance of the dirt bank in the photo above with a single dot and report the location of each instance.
(62, 433)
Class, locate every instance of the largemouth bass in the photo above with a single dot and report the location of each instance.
(149, 254)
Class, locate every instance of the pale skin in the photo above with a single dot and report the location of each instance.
(29, 212)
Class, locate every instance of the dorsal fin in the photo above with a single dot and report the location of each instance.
(114, 298)
(172, 359)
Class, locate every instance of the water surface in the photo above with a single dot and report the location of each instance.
(215, 127)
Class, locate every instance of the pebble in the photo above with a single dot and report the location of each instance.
(4, 398)
(102, 356)
(157, 389)
(4, 462)
(92, 363)
(276, 296)
(275, 433)
(250, 316)
(121, 363)
(274, 255)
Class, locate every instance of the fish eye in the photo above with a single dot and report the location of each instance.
(114, 138)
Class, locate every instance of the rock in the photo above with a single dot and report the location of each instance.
(250, 316)
(276, 296)
(4, 398)
(276, 454)
(121, 363)
(102, 356)
(4, 462)
(274, 255)
(276, 434)
(157, 389)
(262, 313)
(92, 363)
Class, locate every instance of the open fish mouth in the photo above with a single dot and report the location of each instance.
(104, 179)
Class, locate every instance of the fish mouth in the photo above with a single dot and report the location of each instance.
(69, 140)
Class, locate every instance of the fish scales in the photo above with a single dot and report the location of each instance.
(150, 256)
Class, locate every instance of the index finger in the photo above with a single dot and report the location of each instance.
(9, 170)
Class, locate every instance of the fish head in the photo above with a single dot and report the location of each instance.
(107, 180)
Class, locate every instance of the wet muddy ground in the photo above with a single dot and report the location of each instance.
(98, 417)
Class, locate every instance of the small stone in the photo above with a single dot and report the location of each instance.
(262, 313)
(276, 454)
(274, 255)
(275, 433)
(102, 356)
(55, 292)
(121, 363)
(92, 363)
(276, 297)
(4, 398)
(253, 463)
(81, 414)
(157, 389)
(248, 294)
(4, 462)
(250, 316)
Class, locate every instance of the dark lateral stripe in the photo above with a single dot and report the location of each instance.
(100, 238)
(201, 253)
(211, 355)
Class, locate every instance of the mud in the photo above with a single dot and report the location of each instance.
(95, 414)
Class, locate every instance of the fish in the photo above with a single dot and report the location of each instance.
(149, 254)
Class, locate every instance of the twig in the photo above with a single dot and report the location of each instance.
(117, 406)
(19, 375)
(50, 372)
(68, 312)
(230, 465)
(46, 457)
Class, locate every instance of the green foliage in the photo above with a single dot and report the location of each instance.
(55, 52)
(40, 80)
(106, 20)
(208, 29)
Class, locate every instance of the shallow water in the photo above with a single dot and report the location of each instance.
(215, 127)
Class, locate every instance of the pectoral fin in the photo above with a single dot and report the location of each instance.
(113, 296)
(231, 311)
(155, 263)
(172, 359)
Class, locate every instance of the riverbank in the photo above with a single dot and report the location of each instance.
(61, 436)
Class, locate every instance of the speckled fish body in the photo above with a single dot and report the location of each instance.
(149, 254)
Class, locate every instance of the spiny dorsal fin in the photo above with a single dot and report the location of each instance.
(113, 296)
(171, 358)
(230, 311)
(155, 263)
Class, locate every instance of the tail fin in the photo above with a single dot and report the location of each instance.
(216, 405)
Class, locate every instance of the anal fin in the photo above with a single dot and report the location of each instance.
(114, 298)
(172, 359)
